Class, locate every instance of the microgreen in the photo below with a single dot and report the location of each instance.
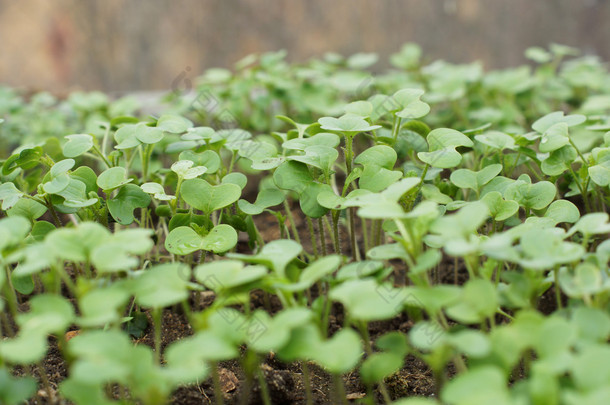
(452, 216)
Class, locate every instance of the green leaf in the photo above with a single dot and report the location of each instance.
(543, 124)
(590, 368)
(75, 195)
(220, 239)
(201, 195)
(80, 393)
(77, 145)
(585, 279)
(125, 136)
(362, 109)
(116, 253)
(237, 178)
(129, 198)
(562, 211)
(377, 174)
(266, 198)
(554, 138)
(14, 390)
(496, 140)
(544, 248)
(208, 158)
(100, 356)
(174, 123)
(162, 285)
(276, 255)
(320, 156)
(346, 123)
(532, 196)
(103, 306)
(227, 274)
(184, 240)
(478, 302)
(27, 208)
(308, 200)
(112, 178)
(365, 300)
(499, 209)
(465, 178)
(559, 161)
(379, 366)
(321, 139)
(185, 170)
(9, 195)
(409, 105)
(292, 176)
(478, 386)
(442, 143)
(591, 224)
(58, 175)
(13, 231)
(340, 353)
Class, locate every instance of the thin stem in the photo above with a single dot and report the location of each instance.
(11, 294)
(102, 156)
(218, 395)
(336, 241)
(42, 372)
(557, 289)
(264, 388)
(156, 313)
(322, 235)
(307, 383)
(293, 224)
(54, 215)
(312, 235)
(364, 330)
(339, 389)
(352, 234)
(396, 129)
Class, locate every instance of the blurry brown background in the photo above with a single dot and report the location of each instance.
(120, 45)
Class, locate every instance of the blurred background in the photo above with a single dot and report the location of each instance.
(127, 45)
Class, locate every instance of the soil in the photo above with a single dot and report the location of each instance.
(284, 381)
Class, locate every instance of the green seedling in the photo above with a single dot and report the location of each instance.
(441, 148)
(205, 197)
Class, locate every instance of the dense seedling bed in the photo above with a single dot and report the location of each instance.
(312, 233)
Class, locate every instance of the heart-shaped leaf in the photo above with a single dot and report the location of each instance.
(346, 123)
(226, 274)
(531, 196)
(184, 240)
(129, 198)
(465, 178)
(320, 139)
(496, 140)
(9, 195)
(162, 285)
(185, 170)
(499, 208)
(320, 156)
(173, 123)
(365, 300)
(292, 176)
(112, 178)
(409, 104)
(201, 195)
(266, 198)
(208, 158)
(442, 143)
(543, 124)
(77, 145)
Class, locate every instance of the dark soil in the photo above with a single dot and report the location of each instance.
(284, 381)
